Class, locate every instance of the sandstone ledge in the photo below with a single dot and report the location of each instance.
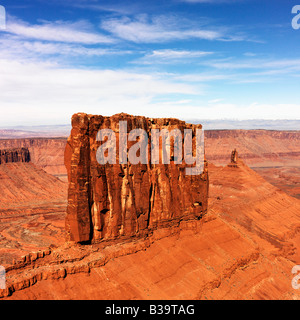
(58, 262)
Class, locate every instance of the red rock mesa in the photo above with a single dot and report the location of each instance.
(113, 201)
(14, 155)
(46, 153)
(257, 148)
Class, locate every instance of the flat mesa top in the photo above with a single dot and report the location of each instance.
(83, 119)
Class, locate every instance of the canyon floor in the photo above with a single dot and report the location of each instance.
(32, 210)
(243, 248)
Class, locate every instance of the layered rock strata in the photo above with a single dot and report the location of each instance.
(14, 155)
(122, 200)
(46, 153)
(257, 148)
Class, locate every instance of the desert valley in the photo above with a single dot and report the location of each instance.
(242, 246)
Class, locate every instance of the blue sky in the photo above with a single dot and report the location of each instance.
(189, 59)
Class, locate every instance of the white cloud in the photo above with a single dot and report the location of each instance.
(35, 88)
(60, 31)
(256, 70)
(171, 56)
(13, 48)
(40, 93)
(250, 54)
(212, 1)
(250, 111)
(158, 29)
(177, 54)
(120, 8)
(202, 77)
(215, 100)
(57, 39)
(49, 93)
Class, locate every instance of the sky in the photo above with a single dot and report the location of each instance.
(188, 59)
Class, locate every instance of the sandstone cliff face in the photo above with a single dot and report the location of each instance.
(113, 201)
(258, 148)
(47, 153)
(14, 155)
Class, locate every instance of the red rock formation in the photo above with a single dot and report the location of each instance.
(275, 155)
(123, 200)
(47, 153)
(257, 148)
(284, 178)
(244, 248)
(234, 156)
(234, 159)
(14, 155)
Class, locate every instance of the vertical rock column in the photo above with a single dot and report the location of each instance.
(77, 159)
(14, 155)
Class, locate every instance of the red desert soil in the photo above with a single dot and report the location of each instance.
(258, 148)
(275, 155)
(32, 210)
(244, 248)
(285, 178)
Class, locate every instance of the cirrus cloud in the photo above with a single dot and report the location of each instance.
(143, 29)
(168, 56)
(59, 31)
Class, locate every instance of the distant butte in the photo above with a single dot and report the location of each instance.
(14, 155)
(234, 160)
